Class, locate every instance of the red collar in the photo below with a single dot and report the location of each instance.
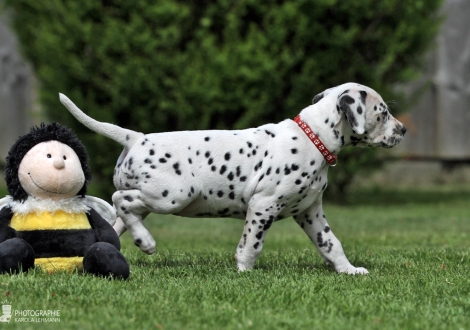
(330, 158)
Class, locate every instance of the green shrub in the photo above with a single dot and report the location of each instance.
(167, 65)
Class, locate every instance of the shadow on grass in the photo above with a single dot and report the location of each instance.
(210, 261)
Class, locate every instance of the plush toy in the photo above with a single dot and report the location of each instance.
(48, 220)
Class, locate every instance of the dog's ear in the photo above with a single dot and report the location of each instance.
(318, 97)
(353, 104)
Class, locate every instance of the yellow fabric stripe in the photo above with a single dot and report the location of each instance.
(59, 264)
(47, 220)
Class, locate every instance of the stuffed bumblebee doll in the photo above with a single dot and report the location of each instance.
(48, 220)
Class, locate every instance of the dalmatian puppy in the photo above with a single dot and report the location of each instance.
(260, 175)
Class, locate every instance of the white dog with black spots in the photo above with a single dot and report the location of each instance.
(260, 175)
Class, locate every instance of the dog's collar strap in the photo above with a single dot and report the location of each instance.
(330, 158)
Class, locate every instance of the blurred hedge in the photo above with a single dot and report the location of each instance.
(167, 65)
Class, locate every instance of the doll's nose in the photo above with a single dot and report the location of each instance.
(59, 163)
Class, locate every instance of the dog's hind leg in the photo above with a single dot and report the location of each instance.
(131, 208)
(251, 243)
(119, 226)
(313, 222)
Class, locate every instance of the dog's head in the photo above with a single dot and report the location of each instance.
(367, 115)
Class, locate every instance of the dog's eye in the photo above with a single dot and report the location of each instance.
(49, 155)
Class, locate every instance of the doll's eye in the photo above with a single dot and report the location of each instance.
(49, 156)
(64, 158)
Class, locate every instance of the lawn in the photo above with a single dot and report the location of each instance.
(415, 244)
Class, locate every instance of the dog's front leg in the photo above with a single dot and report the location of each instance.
(131, 208)
(251, 243)
(313, 222)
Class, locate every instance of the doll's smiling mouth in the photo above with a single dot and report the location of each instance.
(52, 192)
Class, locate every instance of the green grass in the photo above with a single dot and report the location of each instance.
(415, 244)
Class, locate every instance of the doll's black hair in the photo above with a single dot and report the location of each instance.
(43, 133)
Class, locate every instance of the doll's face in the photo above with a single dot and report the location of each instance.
(51, 170)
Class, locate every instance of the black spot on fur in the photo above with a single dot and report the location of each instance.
(363, 96)
(165, 193)
(151, 152)
(207, 138)
(223, 169)
(162, 160)
(176, 166)
(293, 150)
(269, 133)
(287, 170)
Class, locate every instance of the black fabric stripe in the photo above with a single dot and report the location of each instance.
(59, 243)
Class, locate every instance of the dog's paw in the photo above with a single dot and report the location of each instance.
(351, 270)
(147, 246)
(244, 266)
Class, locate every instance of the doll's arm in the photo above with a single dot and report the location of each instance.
(6, 232)
(103, 230)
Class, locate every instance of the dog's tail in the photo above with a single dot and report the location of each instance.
(125, 137)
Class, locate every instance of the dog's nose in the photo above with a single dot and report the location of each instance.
(403, 130)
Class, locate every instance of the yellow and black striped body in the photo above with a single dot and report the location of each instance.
(59, 239)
